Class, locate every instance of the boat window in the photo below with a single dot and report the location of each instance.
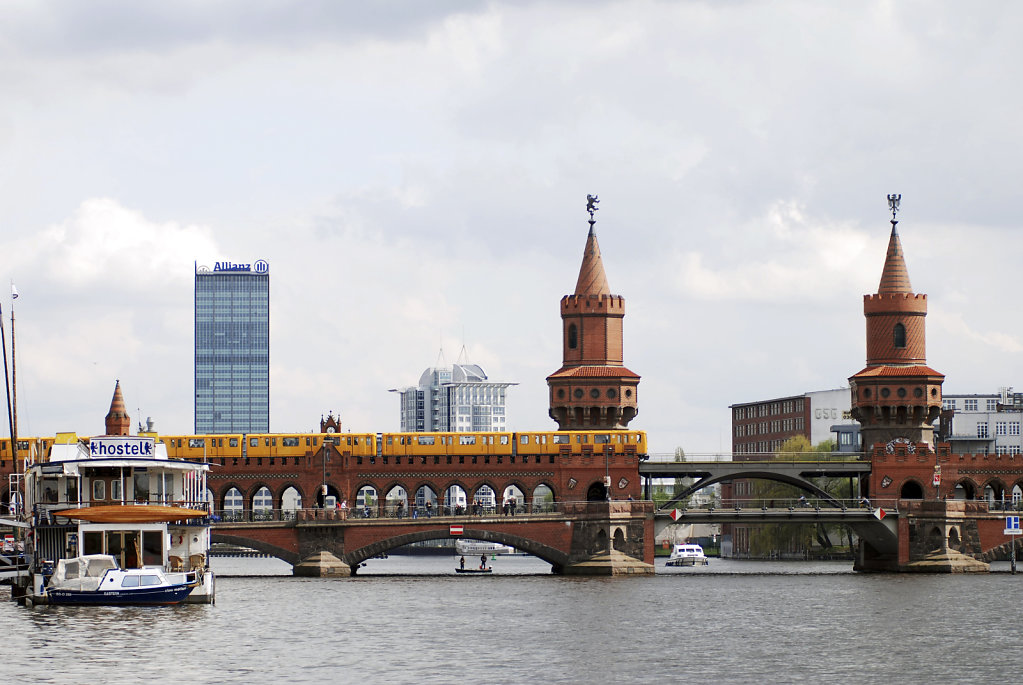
(150, 580)
(130, 581)
(99, 490)
(115, 489)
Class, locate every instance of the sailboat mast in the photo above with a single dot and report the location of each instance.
(7, 378)
(14, 387)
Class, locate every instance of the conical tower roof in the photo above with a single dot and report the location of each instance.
(895, 277)
(117, 420)
(592, 280)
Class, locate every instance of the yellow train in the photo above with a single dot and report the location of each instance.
(295, 445)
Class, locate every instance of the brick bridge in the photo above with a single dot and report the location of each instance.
(569, 537)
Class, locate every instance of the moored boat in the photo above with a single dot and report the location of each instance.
(687, 555)
(96, 579)
(119, 504)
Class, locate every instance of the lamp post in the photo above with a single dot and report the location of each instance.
(327, 441)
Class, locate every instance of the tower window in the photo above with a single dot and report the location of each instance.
(573, 337)
(900, 335)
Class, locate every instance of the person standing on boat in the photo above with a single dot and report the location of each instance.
(483, 561)
(461, 563)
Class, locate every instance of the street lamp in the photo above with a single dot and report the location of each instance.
(323, 488)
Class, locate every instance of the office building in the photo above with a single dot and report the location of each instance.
(457, 398)
(982, 424)
(232, 348)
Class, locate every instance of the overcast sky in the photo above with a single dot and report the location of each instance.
(416, 175)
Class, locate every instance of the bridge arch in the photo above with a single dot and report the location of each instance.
(555, 557)
(965, 488)
(994, 489)
(596, 492)
(753, 474)
(911, 488)
(282, 494)
(258, 545)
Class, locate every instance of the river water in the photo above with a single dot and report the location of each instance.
(413, 620)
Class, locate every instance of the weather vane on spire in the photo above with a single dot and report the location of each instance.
(591, 207)
(893, 205)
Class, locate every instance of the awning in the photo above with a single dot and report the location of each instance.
(131, 513)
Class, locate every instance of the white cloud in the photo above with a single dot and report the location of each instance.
(419, 175)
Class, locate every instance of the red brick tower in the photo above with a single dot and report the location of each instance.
(592, 389)
(117, 421)
(897, 396)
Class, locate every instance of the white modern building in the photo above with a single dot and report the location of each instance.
(982, 424)
(458, 398)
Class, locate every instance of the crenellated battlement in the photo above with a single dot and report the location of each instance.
(906, 303)
(603, 304)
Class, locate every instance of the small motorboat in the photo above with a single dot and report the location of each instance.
(687, 555)
(474, 570)
(96, 579)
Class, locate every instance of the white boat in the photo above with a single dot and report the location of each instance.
(687, 555)
(474, 547)
(96, 579)
(118, 497)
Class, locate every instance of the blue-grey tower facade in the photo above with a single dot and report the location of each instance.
(232, 348)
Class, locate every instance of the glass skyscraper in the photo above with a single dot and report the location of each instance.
(232, 348)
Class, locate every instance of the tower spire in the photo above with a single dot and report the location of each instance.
(117, 420)
(894, 277)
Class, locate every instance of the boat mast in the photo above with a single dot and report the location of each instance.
(13, 399)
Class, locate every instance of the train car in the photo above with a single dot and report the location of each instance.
(580, 442)
(426, 444)
(201, 447)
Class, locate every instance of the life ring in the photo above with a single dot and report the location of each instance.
(181, 539)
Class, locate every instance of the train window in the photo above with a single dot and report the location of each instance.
(466, 439)
(491, 440)
(314, 442)
(504, 439)
(196, 442)
(289, 442)
(523, 439)
(601, 438)
(266, 442)
(562, 439)
(273, 441)
(308, 441)
(233, 442)
(390, 440)
(426, 440)
(253, 442)
(581, 439)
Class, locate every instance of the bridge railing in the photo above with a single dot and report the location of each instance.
(794, 503)
(668, 457)
(459, 513)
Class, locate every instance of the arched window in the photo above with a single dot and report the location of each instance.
(573, 337)
(900, 335)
